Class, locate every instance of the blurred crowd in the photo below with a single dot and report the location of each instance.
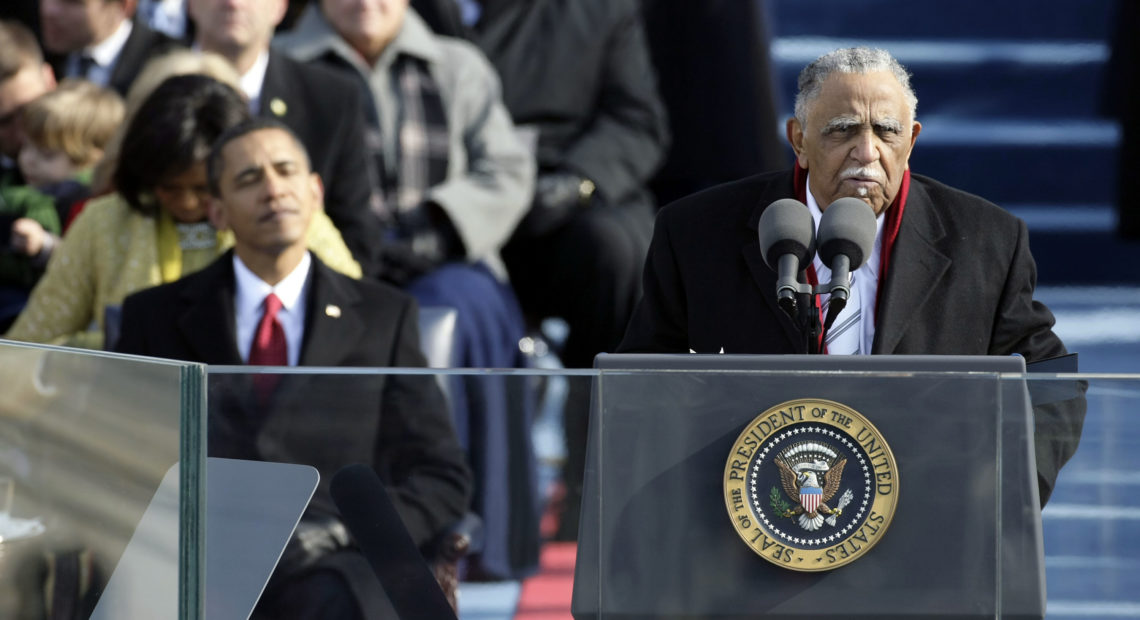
(501, 157)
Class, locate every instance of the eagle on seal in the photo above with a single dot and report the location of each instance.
(802, 484)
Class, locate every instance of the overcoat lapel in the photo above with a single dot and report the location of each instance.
(274, 87)
(208, 323)
(917, 266)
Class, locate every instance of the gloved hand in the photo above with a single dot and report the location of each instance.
(429, 240)
(557, 191)
(401, 262)
(557, 195)
(314, 538)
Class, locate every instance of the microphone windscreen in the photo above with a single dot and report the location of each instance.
(847, 227)
(371, 518)
(786, 227)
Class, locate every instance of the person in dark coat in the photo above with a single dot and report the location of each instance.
(950, 273)
(324, 109)
(578, 74)
(99, 40)
(310, 316)
(718, 82)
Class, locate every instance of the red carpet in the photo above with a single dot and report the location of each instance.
(546, 596)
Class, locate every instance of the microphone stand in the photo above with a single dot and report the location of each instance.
(809, 322)
(812, 327)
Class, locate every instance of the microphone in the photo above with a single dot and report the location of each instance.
(369, 515)
(846, 238)
(787, 240)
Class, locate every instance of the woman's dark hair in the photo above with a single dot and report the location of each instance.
(172, 130)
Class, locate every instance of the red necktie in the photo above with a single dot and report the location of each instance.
(268, 348)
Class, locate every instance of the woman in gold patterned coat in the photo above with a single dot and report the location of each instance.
(154, 229)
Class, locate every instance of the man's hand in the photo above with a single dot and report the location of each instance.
(314, 538)
(557, 196)
(429, 241)
(27, 237)
(401, 262)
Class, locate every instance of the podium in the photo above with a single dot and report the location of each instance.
(657, 539)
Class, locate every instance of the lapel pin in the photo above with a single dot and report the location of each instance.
(333, 311)
(278, 107)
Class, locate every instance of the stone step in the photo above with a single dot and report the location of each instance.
(1054, 218)
(1083, 257)
(1076, 244)
(1008, 19)
(975, 78)
(1015, 161)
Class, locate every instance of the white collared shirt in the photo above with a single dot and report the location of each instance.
(104, 55)
(864, 286)
(250, 292)
(253, 80)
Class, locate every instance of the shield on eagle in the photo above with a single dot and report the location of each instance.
(810, 498)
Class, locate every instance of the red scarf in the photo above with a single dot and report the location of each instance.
(890, 234)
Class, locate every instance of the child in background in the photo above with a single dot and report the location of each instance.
(66, 131)
(20, 265)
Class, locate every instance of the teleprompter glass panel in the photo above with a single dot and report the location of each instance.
(1092, 542)
(508, 427)
(86, 439)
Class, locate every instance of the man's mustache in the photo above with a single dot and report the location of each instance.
(862, 173)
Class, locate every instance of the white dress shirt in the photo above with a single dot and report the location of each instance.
(253, 80)
(249, 306)
(856, 340)
(104, 55)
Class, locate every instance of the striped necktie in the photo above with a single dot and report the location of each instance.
(846, 335)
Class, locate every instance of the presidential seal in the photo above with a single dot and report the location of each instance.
(811, 485)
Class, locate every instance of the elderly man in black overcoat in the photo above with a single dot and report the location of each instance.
(949, 273)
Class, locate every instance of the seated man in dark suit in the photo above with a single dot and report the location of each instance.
(270, 302)
(949, 273)
(455, 181)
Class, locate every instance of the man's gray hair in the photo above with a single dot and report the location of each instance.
(849, 60)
